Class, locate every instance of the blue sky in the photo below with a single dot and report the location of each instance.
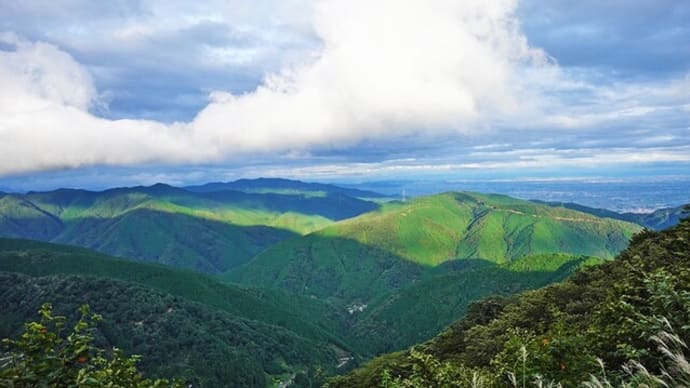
(127, 92)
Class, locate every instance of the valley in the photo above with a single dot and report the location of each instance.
(303, 277)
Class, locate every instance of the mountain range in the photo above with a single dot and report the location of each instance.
(209, 231)
(284, 280)
(358, 259)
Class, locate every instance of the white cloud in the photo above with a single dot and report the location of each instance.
(42, 71)
(44, 119)
(386, 69)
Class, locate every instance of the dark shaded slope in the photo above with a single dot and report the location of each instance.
(174, 239)
(21, 218)
(292, 312)
(337, 269)
(177, 338)
(421, 310)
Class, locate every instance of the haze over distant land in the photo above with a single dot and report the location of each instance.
(636, 195)
(126, 93)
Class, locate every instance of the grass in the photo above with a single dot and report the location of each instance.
(431, 230)
(359, 259)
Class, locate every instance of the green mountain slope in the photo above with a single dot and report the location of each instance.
(206, 347)
(393, 321)
(21, 218)
(411, 268)
(174, 239)
(421, 310)
(228, 206)
(210, 231)
(273, 307)
(340, 270)
(609, 311)
(359, 259)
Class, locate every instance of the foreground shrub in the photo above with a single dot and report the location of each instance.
(43, 357)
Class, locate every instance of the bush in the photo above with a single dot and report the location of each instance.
(43, 357)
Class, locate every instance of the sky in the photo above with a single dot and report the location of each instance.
(128, 92)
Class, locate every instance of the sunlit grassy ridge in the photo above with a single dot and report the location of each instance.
(431, 230)
(228, 207)
(417, 265)
(363, 257)
(209, 231)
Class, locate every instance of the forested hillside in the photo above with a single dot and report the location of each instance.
(274, 307)
(611, 312)
(426, 307)
(417, 311)
(204, 346)
(185, 324)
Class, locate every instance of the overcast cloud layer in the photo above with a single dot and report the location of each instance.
(341, 87)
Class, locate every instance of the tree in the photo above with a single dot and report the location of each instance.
(41, 357)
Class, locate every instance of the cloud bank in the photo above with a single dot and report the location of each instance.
(335, 85)
(386, 69)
